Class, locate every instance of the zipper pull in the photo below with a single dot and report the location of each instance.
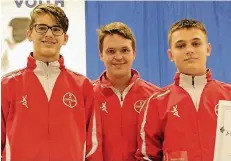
(193, 82)
(121, 98)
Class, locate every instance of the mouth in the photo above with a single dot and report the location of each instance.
(190, 59)
(119, 64)
(48, 42)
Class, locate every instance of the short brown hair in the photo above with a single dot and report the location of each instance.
(54, 11)
(185, 23)
(116, 28)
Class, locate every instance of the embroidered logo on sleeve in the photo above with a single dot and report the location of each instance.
(104, 107)
(175, 111)
(69, 100)
(24, 101)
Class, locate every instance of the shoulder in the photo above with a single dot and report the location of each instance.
(78, 75)
(79, 79)
(10, 81)
(162, 94)
(12, 76)
(95, 82)
(75, 74)
(147, 86)
(160, 98)
(222, 85)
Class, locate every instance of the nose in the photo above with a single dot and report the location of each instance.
(118, 56)
(189, 50)
(49, 33)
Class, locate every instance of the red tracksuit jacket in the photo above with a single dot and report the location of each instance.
(47, 111)
(119, 114)
(180, 122)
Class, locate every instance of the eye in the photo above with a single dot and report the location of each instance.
(57, 29)
(196, 44)
(41, 28)
(180, 46)
(125, 50)
(110, 51)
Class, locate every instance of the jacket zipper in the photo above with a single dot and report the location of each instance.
(193, 84)
(47, 77)
(121, 98)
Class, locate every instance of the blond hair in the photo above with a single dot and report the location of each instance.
(185, 23)
(54, 11)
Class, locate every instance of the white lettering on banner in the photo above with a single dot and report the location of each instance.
(33, 3)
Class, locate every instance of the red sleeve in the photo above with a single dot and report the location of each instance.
(149, 133)
(94, 133)
(5, 105)
(3, 131)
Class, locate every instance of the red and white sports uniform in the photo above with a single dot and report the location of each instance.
(119, 114)
(46, 113)
(180, 122)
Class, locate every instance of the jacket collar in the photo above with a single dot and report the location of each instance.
(105, 83)
(42, 67)
(184, 80)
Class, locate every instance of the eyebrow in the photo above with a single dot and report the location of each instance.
(180, 41)
(57, 25)
(124, 47)
(116, 48)
(109, 48)
(196, 38)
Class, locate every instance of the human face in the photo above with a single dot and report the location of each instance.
(189, 49)
(117, 55)
(46, 46)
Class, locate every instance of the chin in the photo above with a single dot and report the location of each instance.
(119, 74)
(193, 71)
(49, 52)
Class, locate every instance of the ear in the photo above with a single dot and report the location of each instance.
(65, 39)
(209, 49)
(134, 53)
(170, 55)
(28, 34)
(101, 56)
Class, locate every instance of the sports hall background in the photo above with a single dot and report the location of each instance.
(150, 21)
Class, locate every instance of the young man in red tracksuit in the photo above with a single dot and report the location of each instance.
(47, 110)
(120, 92)
(179, 123)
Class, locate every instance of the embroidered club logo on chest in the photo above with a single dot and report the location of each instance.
(138, 105)
(69, 100)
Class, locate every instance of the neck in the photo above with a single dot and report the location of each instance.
(46, 59)
(195, 73)
(121, 82)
